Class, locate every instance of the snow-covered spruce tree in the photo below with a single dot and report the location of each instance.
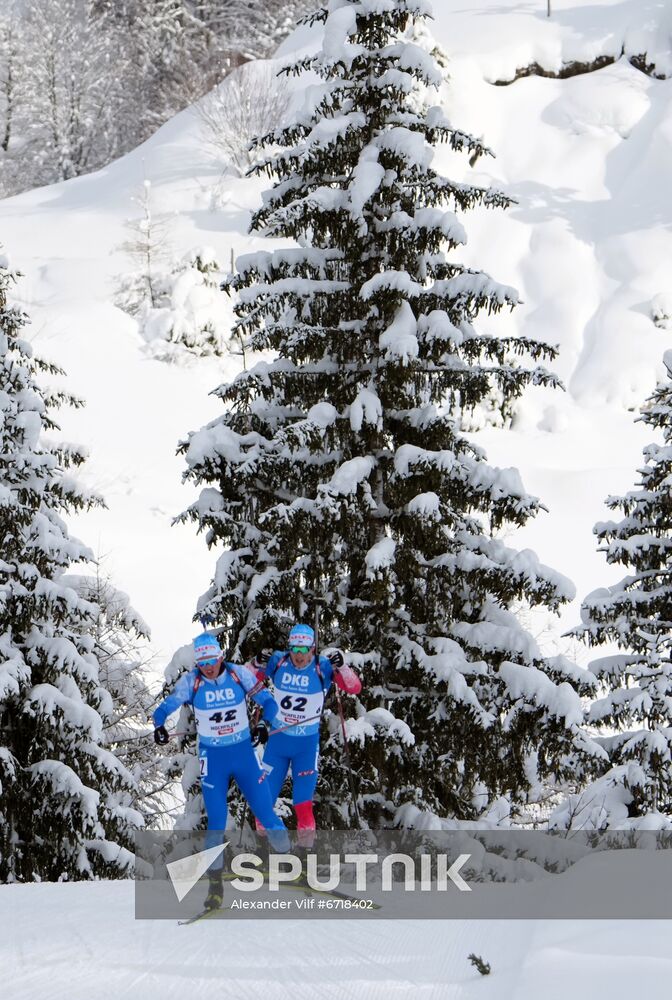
(636, 614)
(339, 470)
(121, 635)
(64, 798)
(181, 758)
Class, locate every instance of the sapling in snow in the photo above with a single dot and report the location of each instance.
(192, 318)
(480, 964)
(147, 247)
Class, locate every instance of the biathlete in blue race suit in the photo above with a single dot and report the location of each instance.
(301, 682)
(218, 691)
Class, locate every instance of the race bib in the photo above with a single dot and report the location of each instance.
(220, 721)
(297, 708)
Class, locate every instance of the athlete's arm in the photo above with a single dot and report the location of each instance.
(343, 675)
(259, 665)
(181, 694)
(260, 695)
(272, 664)
(347, 680)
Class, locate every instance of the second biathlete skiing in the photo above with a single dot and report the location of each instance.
(301, 680)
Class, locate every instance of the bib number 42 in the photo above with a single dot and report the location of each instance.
(219, 717)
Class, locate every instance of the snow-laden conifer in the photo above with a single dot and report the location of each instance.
(121, 636)
(635, 709)
(339, 469)
(180, 759)
(64, 798)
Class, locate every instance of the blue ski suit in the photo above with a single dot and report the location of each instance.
(225, 749)
(299, 694)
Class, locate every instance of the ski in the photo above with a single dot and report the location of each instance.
(198, 916)
(298, 885)
(308, 890)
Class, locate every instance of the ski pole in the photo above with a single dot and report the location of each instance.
(281, 729)
(301, 722)
(255, 720)
(346, 751)
(132, 739)
(148, 736)
(319, 601)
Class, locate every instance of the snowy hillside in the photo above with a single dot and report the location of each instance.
(588, 246)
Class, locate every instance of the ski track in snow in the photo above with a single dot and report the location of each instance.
(84, 942)
(81, 942)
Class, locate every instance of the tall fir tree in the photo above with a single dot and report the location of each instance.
(635, 709)
(65, 801)
(339, 469)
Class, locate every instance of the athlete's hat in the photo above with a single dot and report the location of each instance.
(301, 635)
(206, 649)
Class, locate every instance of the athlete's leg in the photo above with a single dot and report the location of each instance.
(305, 768)
(305, 824)
(215, 773)
(253, 783)
(277, 755)
(305, 765)
(275, 765)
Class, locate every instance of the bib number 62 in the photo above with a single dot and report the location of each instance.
(297, 703)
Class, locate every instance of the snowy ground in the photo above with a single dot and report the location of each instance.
(80, 942)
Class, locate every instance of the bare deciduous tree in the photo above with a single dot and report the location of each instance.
(251, 102)
(12, 76)
(84, 81)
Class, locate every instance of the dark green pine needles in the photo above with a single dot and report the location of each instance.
(339, 469)
(636, 614)
(65, 801)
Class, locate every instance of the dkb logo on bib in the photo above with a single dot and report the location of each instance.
(220, 694)
(294, 680)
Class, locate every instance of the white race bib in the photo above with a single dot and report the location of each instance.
(221, 721)
(297, 708)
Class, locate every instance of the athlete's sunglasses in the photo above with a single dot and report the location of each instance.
(208, 663)
(300, 649)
